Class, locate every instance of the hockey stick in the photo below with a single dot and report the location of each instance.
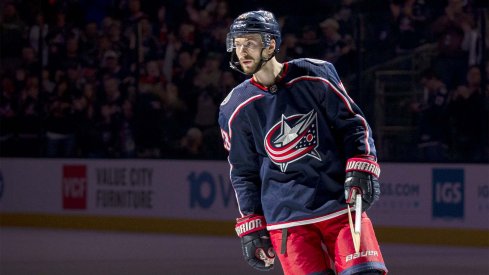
(355, 229)
(358, 214)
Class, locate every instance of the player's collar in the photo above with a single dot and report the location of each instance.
(278, 79)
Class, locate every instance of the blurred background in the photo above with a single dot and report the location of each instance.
(108, 123)
(144, 79)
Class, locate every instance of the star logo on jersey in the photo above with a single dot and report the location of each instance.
(292, 138)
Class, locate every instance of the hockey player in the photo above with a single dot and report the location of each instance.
(299, 148)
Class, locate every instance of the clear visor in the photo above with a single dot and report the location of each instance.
(247, 44)
(229, 42)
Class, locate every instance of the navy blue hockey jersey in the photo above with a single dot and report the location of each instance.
(288, 144)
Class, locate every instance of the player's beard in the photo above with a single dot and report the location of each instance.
(249, 64)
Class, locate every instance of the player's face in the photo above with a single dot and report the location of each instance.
(249, 50)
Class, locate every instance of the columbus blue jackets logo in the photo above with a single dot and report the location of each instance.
(292, 138)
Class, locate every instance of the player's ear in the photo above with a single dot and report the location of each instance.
(272, 46)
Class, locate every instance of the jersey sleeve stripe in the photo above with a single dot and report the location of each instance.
(235, 192)
(367, 134)
(345, 98)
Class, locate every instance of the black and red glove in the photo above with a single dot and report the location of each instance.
(362, 177)
(255, 241)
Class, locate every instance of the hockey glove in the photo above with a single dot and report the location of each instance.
(255, 241)
(362, 176)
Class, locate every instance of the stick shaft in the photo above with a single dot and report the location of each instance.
(358, 213)
(355, 236)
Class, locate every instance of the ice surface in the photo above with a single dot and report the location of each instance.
(60, 252)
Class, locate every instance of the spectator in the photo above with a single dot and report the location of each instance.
(135, 12)
(184, 74)
(104, 45)
(468, 119)
(117, 41)
(378, 28)
(337, 49)
(110, 67)
(8, 116)
(207, 108)
(148, 129)
(485, 129)
(309, 42)
(187, 36)
(150, 47)
(344, 17)
(212, 145)
(152, 74)
(210, 73)
(75, 80)
(219, 10)
(29, 61)
(221, 13)
(93, 66)
(29, 120)
(60, 30)
(71, 56)
(288, 48)
(162, 26)
(90, 41)
(128, 144)
(191, 145)
(191, 11)
(47, 84)
(218, 38)
(176, 119)
(331, 41)
(89, 135)
(12, 32)
(226, 83)
(433, 124)
(450, 30)
(409, 17)
(37, 32)
(105, 138)
(60, 123)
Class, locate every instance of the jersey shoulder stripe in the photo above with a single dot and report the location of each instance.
(242, 95)
(239, 108)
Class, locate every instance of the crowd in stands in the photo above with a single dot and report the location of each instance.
(144, 79)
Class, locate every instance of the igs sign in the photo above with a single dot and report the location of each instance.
(448, 193)
(74, 187)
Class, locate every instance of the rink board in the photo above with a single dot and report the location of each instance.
(420, 203)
